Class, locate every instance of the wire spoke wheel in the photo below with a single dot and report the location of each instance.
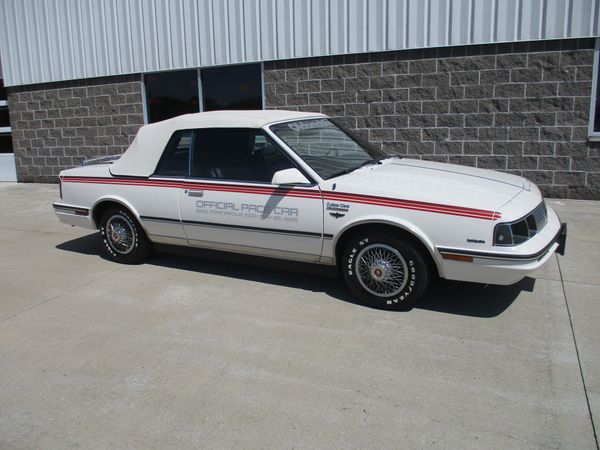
(120, 234)
(381, 270)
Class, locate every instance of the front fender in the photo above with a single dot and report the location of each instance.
(395, 222)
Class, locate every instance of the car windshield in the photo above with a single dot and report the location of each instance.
(325, 147)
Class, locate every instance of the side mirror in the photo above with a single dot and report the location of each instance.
(289, 176)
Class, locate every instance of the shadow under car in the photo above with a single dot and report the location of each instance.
(451, 297)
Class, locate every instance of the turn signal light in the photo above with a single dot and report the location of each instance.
(453, 257)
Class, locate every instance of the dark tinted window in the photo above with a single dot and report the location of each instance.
(3, 94)
(6, 143)
(236, 154)
(176, 157)
(171, 94)
(4, 119)
(232, 87)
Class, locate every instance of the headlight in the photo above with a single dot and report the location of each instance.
(503, 234)
(519, 231)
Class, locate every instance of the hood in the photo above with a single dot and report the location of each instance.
(433, 182)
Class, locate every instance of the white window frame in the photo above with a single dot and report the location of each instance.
(594, 135)
(200, 97)
(144, 105)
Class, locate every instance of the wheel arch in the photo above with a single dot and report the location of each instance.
(409, 231)
(104, 203)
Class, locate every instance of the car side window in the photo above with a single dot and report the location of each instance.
(175, 159)
(236, 155)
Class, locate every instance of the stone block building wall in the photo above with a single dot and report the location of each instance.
(59, 125)
(521, 108)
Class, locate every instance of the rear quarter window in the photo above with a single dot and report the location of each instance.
(175, 160)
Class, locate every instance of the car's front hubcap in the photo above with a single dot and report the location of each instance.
(381, 270)
(120, 234)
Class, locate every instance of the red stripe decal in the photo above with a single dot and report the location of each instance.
(191, 185)
(415, 205)
(299, 193)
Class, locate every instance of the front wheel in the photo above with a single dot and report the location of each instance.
(385, 272)
(124, 239)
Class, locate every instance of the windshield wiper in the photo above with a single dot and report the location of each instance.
(370, 162)
(343, 172)
(374, 161)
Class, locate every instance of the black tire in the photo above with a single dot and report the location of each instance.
(385, 272)
(124, 239)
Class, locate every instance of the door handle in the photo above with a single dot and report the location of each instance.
(195, 193)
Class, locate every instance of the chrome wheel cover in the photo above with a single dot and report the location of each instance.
(120, 234)
(381, 270)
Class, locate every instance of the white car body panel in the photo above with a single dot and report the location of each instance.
(253, 219)
(451, 210)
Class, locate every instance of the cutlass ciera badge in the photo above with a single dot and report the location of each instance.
(338, 209)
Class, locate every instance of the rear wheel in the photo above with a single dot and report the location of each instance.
(385, 272)
(124, 239)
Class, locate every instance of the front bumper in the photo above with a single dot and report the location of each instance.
(506, 267)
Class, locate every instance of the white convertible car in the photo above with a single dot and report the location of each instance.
(295, 186)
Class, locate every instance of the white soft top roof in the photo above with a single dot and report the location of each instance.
(143, 154)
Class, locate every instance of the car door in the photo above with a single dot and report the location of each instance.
(229, 203)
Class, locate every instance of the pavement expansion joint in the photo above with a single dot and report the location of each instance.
(37, 231)
(585, 283)
(54, 297)
(587, 398)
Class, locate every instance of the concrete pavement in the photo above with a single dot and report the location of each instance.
(187, 352)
